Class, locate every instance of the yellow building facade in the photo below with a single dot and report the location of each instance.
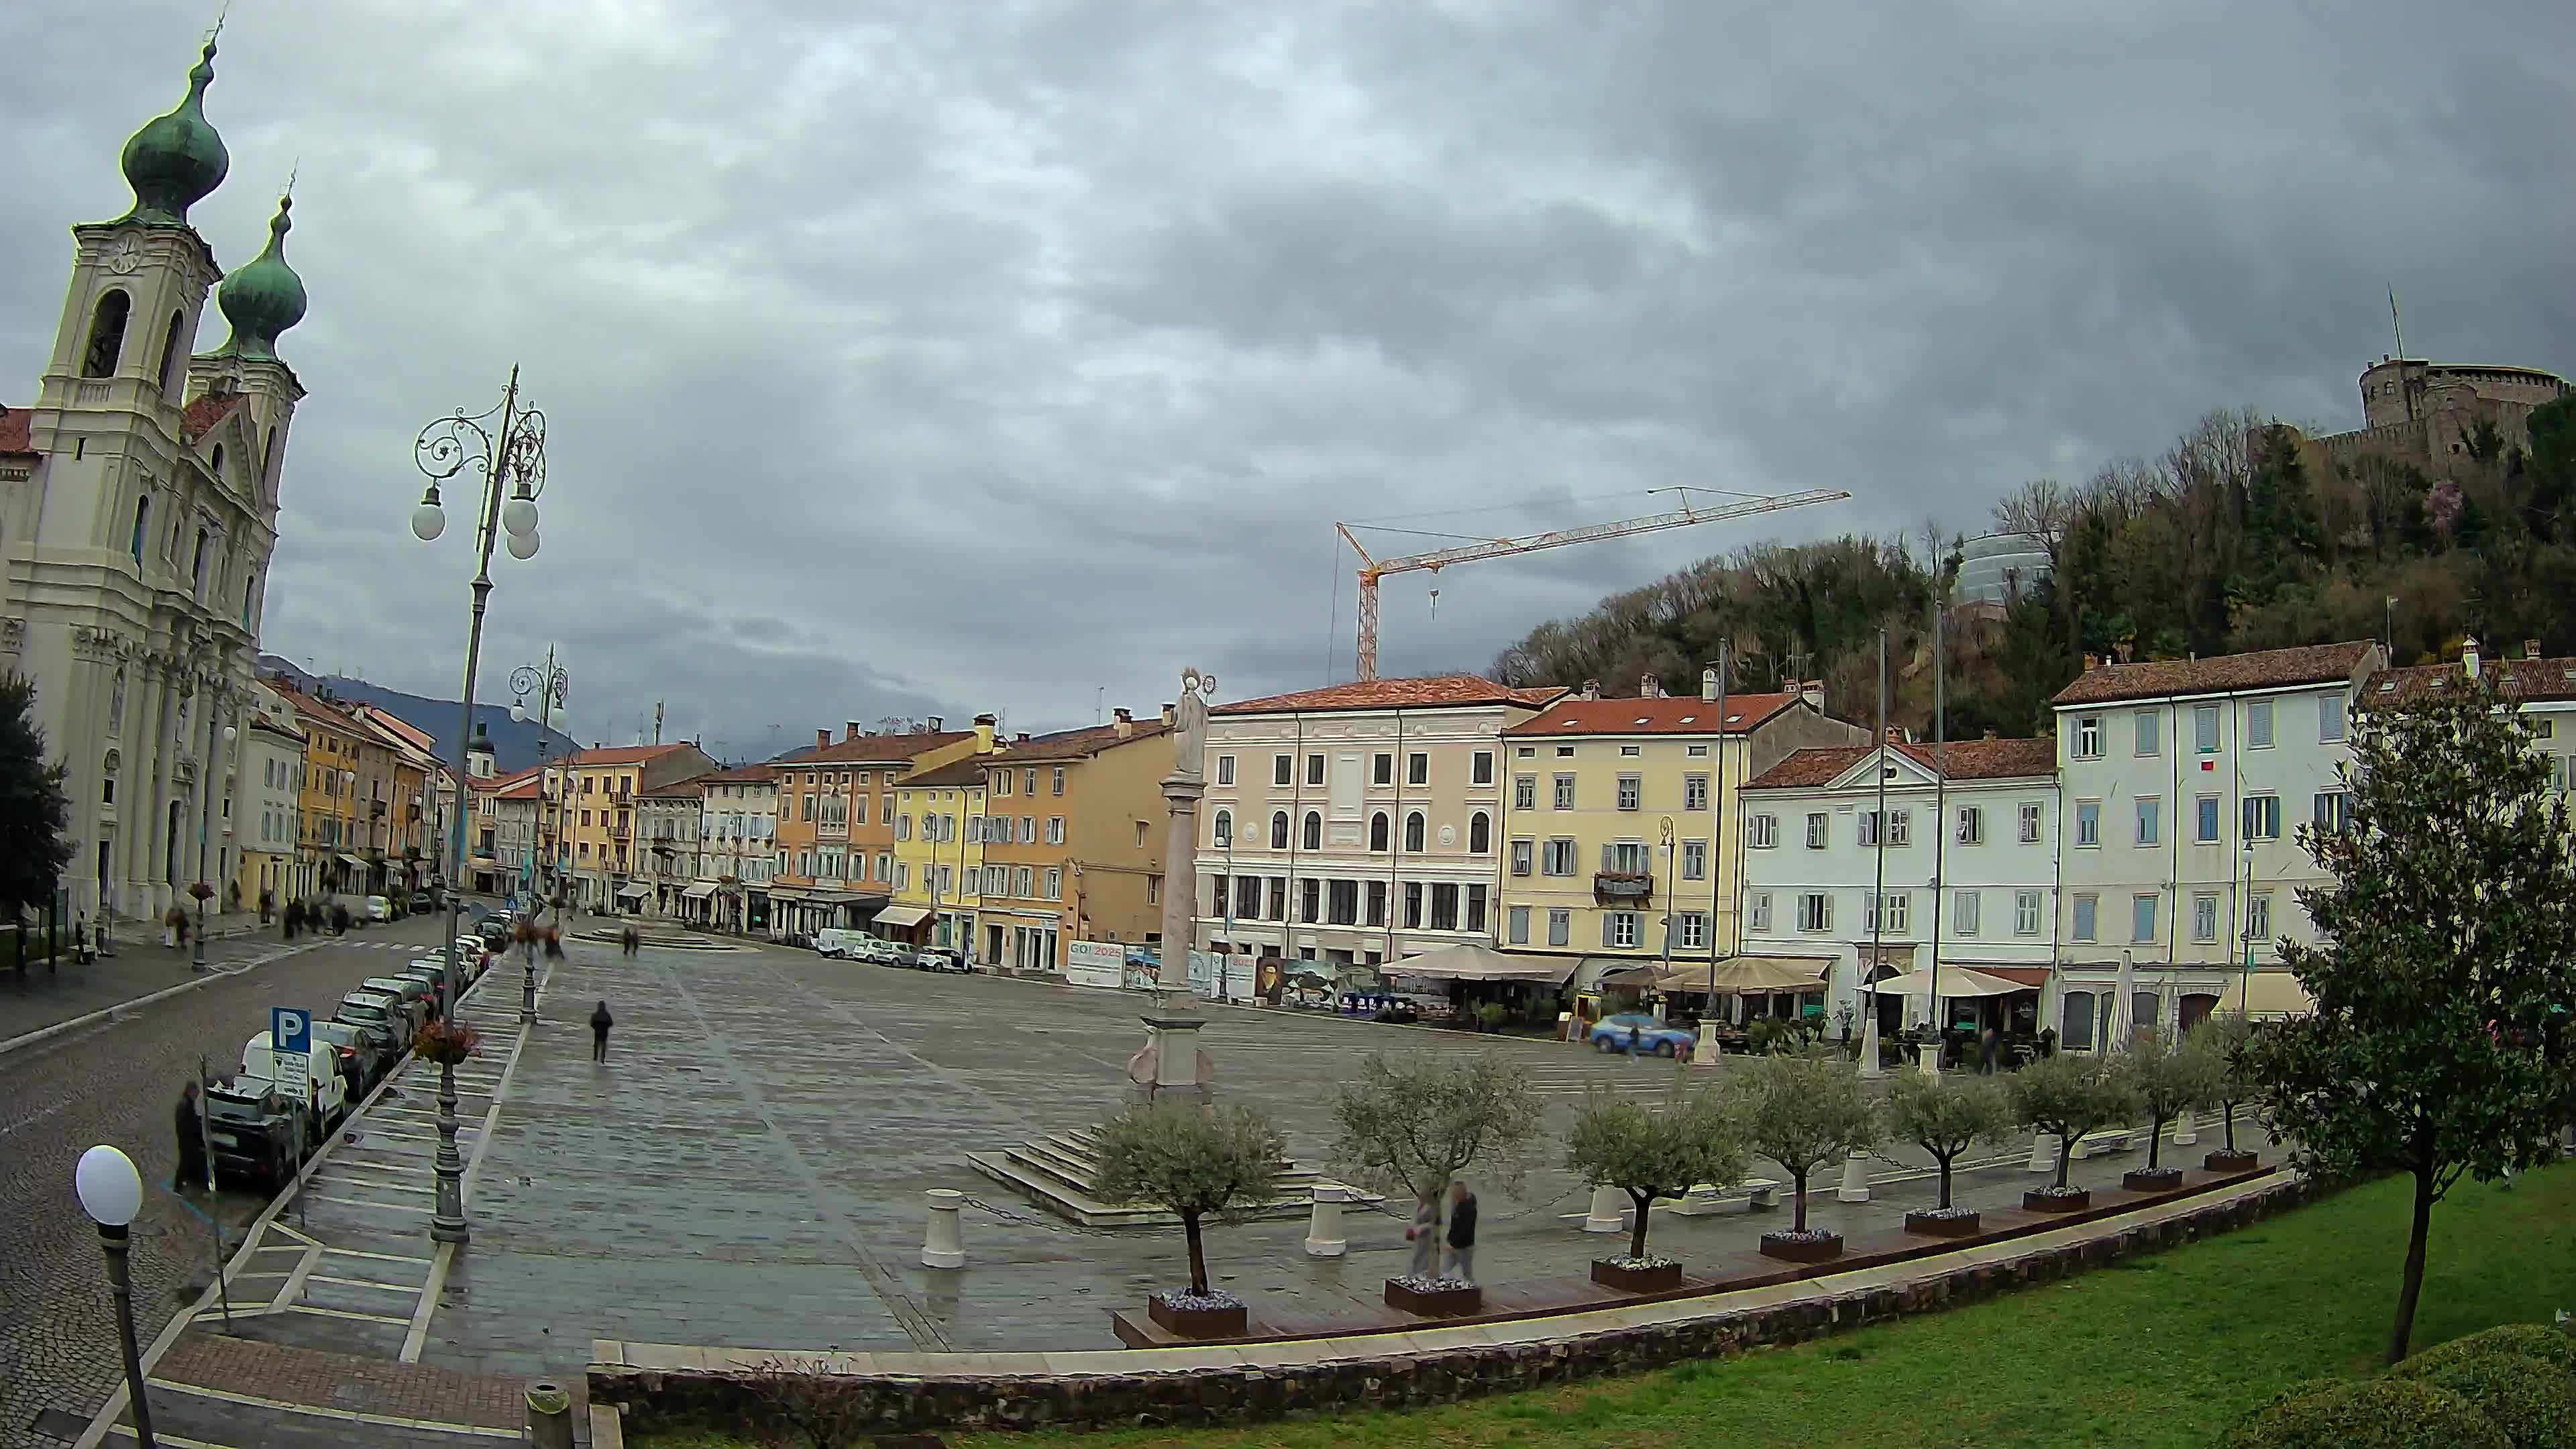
(1621, 834)
(938, 856)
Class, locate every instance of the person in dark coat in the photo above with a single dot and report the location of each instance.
(192, 1140)
(339, 920)
(600, 1022)
(1459, 1261)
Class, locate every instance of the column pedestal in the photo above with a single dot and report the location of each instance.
(1855, 1183)
(1609, 1211)
(1324, 1224)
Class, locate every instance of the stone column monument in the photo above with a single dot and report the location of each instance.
(1172, 1060)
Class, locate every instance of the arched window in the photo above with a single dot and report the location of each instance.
(170, 352)
(197, 562)
(142, 515)
(1314, 832)
(250, 591)
(1413, 831)
(218, 463)
(1377, 831)
(1480, 833)
(1279, 830)
(107, 335)
(107, 777)
(1224, 829)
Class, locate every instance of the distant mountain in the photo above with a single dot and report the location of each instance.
(514, 745)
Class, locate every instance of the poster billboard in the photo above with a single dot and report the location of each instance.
(1094, 963)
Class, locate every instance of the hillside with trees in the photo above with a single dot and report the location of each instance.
(2236, 537)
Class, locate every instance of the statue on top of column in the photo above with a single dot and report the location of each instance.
(1189, 725)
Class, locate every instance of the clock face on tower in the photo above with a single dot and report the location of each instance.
(125, 255)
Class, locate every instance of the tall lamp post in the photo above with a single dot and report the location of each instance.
(550, 685)
(507, 445)
(111, 1192)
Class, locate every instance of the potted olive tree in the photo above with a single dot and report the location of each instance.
(1409, 1127)
(1198, 1162)
(2164, 1085)
(2225, 1038)
(2067, 1096)
(1803, 1112)
(1946, 1116)
(1649, 1152)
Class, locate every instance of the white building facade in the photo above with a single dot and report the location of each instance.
(667, 826)
(138, 508)
(1961, 869)
(2184, 784)
(1290, 846)
(737, 850)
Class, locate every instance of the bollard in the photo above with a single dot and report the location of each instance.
(2041, 1158)
(1706, 1050)
(549, 1415)
(942, 1246)
(1324, 1222)
(2187, 1129)
(1609, 1212)
(1855, 1186)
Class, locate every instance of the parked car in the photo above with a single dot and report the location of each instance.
(431, 972)
(494, 933)
(883, 953)
(472, 956)
(370, 1005)
(379, 908)
(252, 1128)
(1612, 1033)
(940, 959)
(365, 1054)
(415, 993)
(424, 901)
(321, 1088)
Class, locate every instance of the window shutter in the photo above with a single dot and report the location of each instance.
(1607, 856)
(1605, 928)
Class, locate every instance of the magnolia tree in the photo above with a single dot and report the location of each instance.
(2066, 1096)
(1946, 1116)
(1803, 1112)
(1198, 1162)
(2165, 1084)
(1411, 1126)
(2445, 955)
(1662, 1150)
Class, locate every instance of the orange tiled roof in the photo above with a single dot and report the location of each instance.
(208, 409)
(2263, 669)
(1968, 760)
(877, 749)
(17, 431)
(620, 754)
(1079, 744)
(742, 775)
(1432, 692)
(2517, 679)
(1664, 716)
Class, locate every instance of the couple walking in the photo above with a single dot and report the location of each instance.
(1458, 1249)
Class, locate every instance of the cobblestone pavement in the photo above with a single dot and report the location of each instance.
(117, 1082)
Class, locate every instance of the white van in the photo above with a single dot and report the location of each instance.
(328, 1096)
(840, 944)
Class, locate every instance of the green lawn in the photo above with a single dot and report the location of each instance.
(2161, 1350)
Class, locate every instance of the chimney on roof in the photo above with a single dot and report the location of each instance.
(1592, 689)
(1708, 685)
(2092, 662)
(1021, 738)
(2124, 649)
(2469, 656)
(2530, 648)
(1990, 734)
(1123, 721)
(1813, 692)
(822, 738)
(849, 729)
(984, 726)
(1649, 687)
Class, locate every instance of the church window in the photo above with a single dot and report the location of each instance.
(218, 469)
(197, 564)
(107, 334)
(142, 515)
(170, 351)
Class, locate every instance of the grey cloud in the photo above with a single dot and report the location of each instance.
(936, 358)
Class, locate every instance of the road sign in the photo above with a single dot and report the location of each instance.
(290, 1029)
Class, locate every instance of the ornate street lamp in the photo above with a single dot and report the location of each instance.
(111, 1192)
(507, 445)
(550, 685)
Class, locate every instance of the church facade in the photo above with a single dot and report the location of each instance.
(138, 513)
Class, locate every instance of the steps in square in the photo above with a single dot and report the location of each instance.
(1061, 1173)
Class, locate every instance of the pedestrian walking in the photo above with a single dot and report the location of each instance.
(81, 950)
(1424, 1235)
(1460, 1261)
(1989, 1047)
(339, 919)
(1636, 1038)
(192, 1140)
(600, 1022)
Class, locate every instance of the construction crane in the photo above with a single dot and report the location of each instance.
(1373, 569)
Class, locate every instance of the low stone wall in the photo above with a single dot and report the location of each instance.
(657, 1399)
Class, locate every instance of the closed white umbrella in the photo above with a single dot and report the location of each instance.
(2122, 989)
(2169, 1014)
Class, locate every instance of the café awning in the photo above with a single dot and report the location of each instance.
(1734, 976)
(903, 915)
(633, 892)
(1468, 961)
(699, 892)
(1956, 981)
(348, 859)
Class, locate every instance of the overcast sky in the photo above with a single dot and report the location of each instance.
(955, 355)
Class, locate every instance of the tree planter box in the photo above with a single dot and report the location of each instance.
(1434, 1302)
(1802, 1250)
(2224, 1160)
(2039, 1200)
(1936, 1225)
(1663, 1279)
(2151, 1179)
(1199, 1322)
